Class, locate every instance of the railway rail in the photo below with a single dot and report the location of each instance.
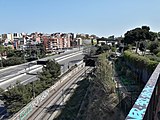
(56, 98)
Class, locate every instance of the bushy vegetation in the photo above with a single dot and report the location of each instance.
(153, 57)
(102, 98)
(139, 36)
(15, 57)
(17, 97)
(125, 73)
(104, 72)
(140, 61)
(102, 49)
(12, 61)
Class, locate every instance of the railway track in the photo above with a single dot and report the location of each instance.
(55, 98)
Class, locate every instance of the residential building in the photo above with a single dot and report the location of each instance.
(20, 41)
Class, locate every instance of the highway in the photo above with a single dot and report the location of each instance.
(10, 75)
(18, 73)
(51, 107)
(12, 70)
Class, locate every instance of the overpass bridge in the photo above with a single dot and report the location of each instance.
(147, 106)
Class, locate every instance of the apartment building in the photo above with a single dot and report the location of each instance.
(12, 39)
(65, 40)
(58, 40)
(48, 42)
(20, 41)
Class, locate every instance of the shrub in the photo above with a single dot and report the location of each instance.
(140, 61)
(153, 57)
(113, 49)
(158, 54)
(155, 51)
(12, 61)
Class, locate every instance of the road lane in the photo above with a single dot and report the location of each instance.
(5, 74)
(14, 69)
(26, 78)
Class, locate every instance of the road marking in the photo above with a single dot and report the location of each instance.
(28, 79)
(68, 55)
(16, 77)
(10, 67)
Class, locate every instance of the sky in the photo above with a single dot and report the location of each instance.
(99, 17)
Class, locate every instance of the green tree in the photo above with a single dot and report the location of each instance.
(2, 49)
(153, 45)
(104, 72)
(41, 52)
(142, 47)
(111, 37)
(53, 67)
(50, 72)
(12, 61)
(158, 34)
(153, 36)
(9, 52)
(103, 48)
(138, 35)
(15, 98)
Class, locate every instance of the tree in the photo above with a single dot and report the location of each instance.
(12, 61)
(53, 67)
(104, 72)
(158, 34)
(153, 45)
(45, 77)
(9, 51)
(93, 51)
(106, 47)
(49, 72)
(146, 28)
(103, 48)
(41, 50)
(2, 49)
(15, 98)
(111, 37)
(142, 47)
(153, 36)
(138, 35)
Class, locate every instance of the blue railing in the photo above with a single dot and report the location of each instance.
(145, 107)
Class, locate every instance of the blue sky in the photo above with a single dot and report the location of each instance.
(100, 17)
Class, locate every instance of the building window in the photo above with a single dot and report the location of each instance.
(15, 34)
